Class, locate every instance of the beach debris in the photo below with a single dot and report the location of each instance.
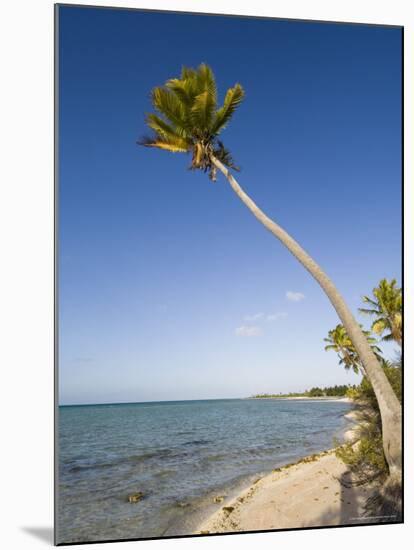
(135, 497)
(228, 509)
(311, 458)
(219, 499)
(204, 532)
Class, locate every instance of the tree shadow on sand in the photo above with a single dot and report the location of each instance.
(360, 504)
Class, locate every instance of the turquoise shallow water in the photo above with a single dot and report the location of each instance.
(179, 454)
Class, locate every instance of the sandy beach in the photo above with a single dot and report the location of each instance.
(331, 399)
(315, 491)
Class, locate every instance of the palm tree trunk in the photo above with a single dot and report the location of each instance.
(389, 405)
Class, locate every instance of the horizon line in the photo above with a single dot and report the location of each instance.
(141, 402)
(182, 400)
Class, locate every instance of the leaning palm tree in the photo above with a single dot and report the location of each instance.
(188, 120)
(339, 341)
(387, 308)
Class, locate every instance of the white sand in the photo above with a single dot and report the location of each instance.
(310, 493)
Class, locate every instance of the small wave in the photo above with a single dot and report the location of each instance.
(161, 453)
(214, 458)
(82, 467)
(132, 459)
(164, 473)
(197, 442)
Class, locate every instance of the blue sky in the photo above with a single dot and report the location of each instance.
(169, 288)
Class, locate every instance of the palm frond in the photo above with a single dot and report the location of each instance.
(369, 311)
(201, 113)
(340, 342)
(178, 145)
(185, 88)
(379, 326)
(168, 104)
(182, 89)
(187, 118)
(188, 73)
(332, 346)
(368, 300)
(206, 82)
(234, 97)
(160, 127)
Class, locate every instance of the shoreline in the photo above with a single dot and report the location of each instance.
(305, 398)
(314, 491)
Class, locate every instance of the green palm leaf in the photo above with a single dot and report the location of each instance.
(188, 119)
(169, 105)
(186, 89)
(160, 127)
(183, 90)
(188, 73)
(368, 300)
(234, 97)
(387, 308)
(340, 342)
(369, 311)
(207, 83)
(201, 112)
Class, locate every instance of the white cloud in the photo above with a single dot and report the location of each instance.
(276, 316)
(294, 296)
(248, 331)
(253, 317)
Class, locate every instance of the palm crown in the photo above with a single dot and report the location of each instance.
(339, 341)
(189, 119)
(387, 308)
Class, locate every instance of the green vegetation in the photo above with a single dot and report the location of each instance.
(386, 307)
(366, 458)
(277, 395)
(339, 341)
(190, 119)
(331, 391)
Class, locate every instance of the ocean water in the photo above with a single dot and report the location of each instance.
(180, 454)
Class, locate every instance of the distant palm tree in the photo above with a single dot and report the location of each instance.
(339, 341)
(189, 121)
(387, 308)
